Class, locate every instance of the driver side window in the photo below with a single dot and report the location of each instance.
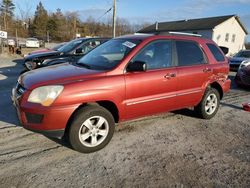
(156, 55)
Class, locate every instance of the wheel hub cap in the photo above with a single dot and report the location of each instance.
(93, 131)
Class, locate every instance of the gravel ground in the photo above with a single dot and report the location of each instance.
(173, 149)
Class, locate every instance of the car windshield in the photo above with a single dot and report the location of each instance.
(245, 54)
(32, 39)
(70, 46)
(109, 54)
(56, 47)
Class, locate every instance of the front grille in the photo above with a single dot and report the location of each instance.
(34, 118)
(233, 66)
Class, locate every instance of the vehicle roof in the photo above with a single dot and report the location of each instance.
(141, 36)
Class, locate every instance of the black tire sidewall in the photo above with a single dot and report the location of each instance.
(82, 115)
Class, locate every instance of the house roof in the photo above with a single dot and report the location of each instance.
(192, 24)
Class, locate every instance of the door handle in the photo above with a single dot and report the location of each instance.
(170, 75)
(207, 70)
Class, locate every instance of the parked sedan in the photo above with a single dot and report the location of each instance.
(237, 59)
(56, 47)
(242, 77)
(71, 52)
(32, 43)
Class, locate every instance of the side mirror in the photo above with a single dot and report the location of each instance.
(79, 51)
(137, 66)
(224, 49)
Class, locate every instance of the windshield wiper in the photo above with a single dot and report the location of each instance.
(84, 65)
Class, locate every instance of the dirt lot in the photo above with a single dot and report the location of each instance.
(170, 150)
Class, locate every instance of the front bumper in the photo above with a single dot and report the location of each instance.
(49, 121)
(234, 67)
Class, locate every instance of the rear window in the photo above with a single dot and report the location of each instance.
(216, 52)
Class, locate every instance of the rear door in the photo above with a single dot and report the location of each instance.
(192, 72)
(154, 90)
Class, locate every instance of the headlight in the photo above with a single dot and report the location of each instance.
(244, 64)
(30, 65)
(45, 95)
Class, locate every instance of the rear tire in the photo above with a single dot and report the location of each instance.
(91, 129)
(209, 104)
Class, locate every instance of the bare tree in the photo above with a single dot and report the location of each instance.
(24, 12)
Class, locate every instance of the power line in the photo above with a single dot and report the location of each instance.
(105, 13)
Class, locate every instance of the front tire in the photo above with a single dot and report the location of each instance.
(209, 104)
(92, 129)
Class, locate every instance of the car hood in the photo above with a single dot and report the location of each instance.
(238, 59)
(40, 51)
(42, 55)
(57, 74)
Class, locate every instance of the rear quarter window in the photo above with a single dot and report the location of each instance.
(216, 52)
(189, 53)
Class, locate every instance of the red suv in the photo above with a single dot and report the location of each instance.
(125, 78)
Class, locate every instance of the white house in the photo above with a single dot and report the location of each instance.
(227, 31)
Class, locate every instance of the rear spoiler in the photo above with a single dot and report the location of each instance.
(224, 49)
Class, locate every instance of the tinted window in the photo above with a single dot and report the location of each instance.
(216, 52)
(156, 55)
(70, 45)
(189, 53)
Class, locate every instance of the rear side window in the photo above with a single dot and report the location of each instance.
(189, 53)
(216, 52)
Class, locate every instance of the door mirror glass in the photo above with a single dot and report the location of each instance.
(137, 66)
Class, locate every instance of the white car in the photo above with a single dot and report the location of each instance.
(32, 43)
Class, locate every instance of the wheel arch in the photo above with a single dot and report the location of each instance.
(109, 105)
(218, 87)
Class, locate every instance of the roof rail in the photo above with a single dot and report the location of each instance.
(182, 33)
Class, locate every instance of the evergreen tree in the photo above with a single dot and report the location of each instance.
(39, 26)
(7, 8)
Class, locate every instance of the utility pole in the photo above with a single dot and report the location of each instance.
(114, 18)
(1, 46)
(17, 42)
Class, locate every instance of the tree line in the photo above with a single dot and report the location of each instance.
(57, 25)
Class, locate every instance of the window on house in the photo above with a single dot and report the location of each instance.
(227, 37)
(233, 38)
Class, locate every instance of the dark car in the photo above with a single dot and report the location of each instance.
(237, 59)
(242, 77)
(71, 52)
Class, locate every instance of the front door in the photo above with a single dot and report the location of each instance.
(154, 90)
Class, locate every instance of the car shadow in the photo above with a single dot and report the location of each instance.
(63, 142)
(186, 112)
(231, 106)
(8, 78)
